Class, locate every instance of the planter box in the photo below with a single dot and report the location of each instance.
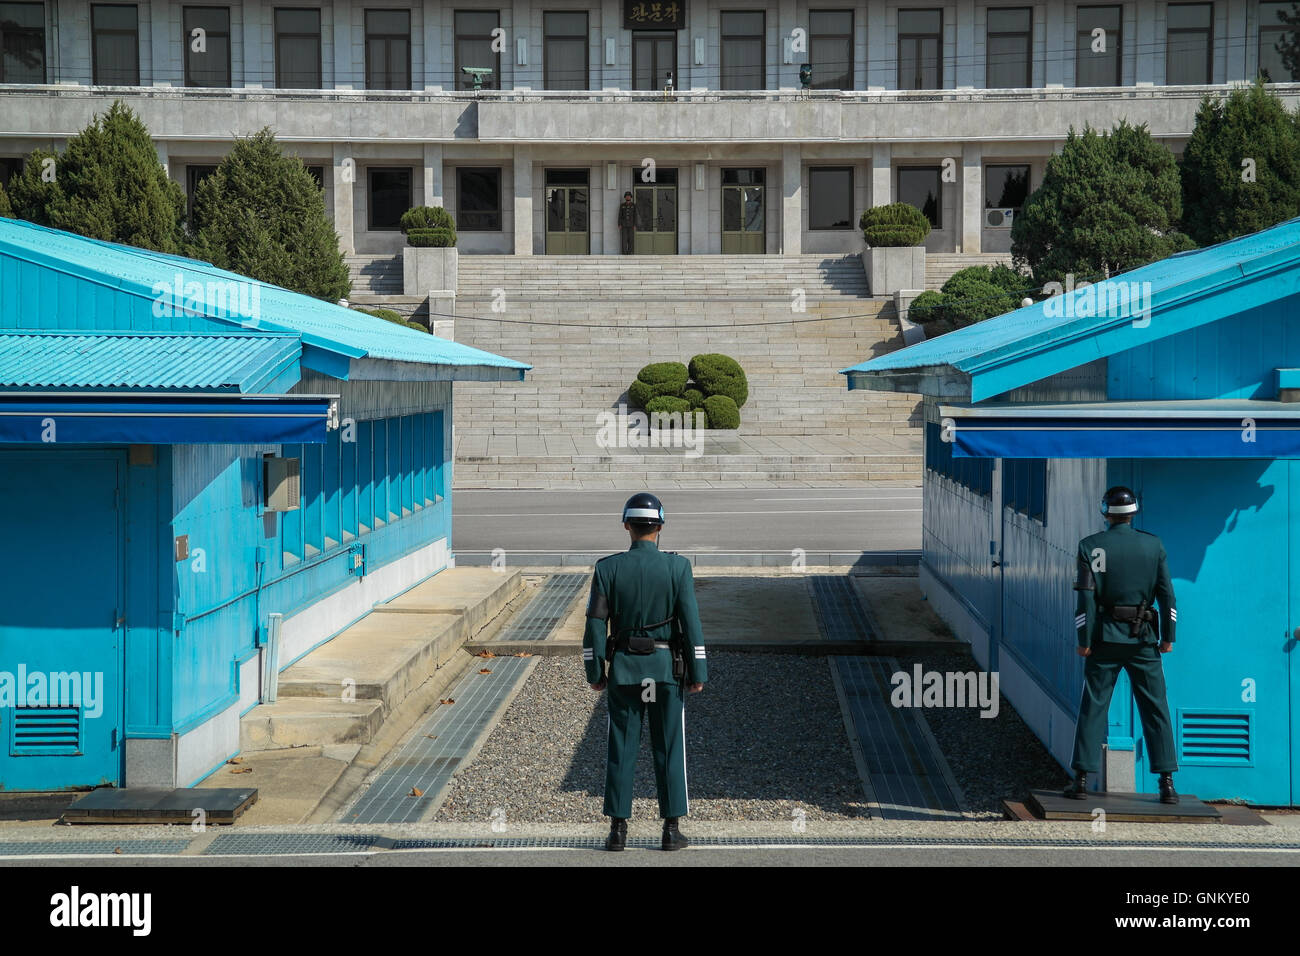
(892, 268)
(428, 269)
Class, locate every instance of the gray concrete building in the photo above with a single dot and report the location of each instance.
(697, 106)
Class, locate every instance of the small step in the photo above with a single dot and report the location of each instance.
(1120, 808)
(310, 721)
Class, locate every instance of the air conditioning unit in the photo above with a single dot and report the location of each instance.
(999, 218)
(283, 483)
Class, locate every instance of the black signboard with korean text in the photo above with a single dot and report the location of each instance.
(654, 14)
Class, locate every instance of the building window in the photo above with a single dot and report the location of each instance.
(478, 199)
(830, 197)
(10, 166)
(211, 66)
(654, 60)
(564, 51)
(830, 49)
(1005, 187)
(1010, 48)
(743, 64)
(920, 49)
(973, 474)
(115, 44)
(1099, 66)
(388, 49)
(390, 195)
(1272, 28)
(22, 43)
(297, 49)
(1189, 45)
(920, 186)
(474, 47)
(1024, 486)
(317, 173)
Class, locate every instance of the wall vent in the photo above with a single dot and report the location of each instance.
(1216, 737)
(45, 732)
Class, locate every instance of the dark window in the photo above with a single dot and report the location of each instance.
(1024, 486)
(388, 49)
(10, 166)
(478, 199)
(318, 173)
(22, 43)
(297, 49)
(564, 51)
(115, 44)
(212, 66)
(1005, 187)
(1273, 28)
(974, 474)
(1010, 48)
(390, 195)
(1189, 50)
(830, 197)
(474, 47)
(1102, 67)
(830, 49)
(920, 49)
(920, 186)
(743, 38)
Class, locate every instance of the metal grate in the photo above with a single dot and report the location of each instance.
(839, 611)
(279, 844)
(45, 732)
(1219, 738)
(91, 847)
(546, 610)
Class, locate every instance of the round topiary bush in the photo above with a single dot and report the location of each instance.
(421, 219)
(656, 379)
(722, 412)
(695, 396)
(388, 315)
(720, 375)
(431, 238)
(927, 307)
(898, 224)
(970, 296)
(669, 405)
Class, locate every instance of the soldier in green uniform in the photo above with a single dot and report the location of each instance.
(642, 620)
(1120, 571)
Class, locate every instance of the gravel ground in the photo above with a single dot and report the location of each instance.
(545, 761)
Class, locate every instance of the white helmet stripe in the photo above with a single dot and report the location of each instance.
(640, 513)
(1121, 509)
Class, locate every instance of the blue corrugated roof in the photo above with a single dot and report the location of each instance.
(1024, 333)
(239, 363)
(322, 324)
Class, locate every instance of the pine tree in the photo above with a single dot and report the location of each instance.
(262, 215)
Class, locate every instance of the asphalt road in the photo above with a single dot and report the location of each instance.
(776, 520)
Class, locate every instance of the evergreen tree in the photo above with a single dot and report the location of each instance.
(1108, 203)
(262, 215)
(5, 209)
(1241, 167)
(33, 190)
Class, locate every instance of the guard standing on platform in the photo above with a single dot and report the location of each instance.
(627, 222)
(1120, 572)
(643, 621)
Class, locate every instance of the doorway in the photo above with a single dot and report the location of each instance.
(744, 227)
(568, 212)
(654, 60)
(656, 215)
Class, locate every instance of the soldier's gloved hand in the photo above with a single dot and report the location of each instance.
(600, 686)
(1083, 651)
(1166, 647)
(695, 688)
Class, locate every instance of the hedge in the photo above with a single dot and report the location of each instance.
(388, 315)
(431, 238)
(423, 219)
(695, 396)
(720, 375)
(722, 412)
(655, 380)
(668, 405)
(898, 224)
(927, 307)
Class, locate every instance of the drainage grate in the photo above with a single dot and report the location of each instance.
(592, 843)
(546, 610)
(92, 847)
(285, 844)
(839, 611)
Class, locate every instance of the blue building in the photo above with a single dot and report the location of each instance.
(183, 452)
(1181, 380)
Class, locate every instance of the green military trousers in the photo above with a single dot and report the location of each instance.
(1146, 675)
(667, 736)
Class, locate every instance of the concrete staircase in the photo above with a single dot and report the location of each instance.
(940, 266)
(588, 324)
(374, 276)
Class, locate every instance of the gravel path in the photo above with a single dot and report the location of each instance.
(545, 761)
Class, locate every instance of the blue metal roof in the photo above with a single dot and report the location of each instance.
(1063, 332)
(247, 363)
(239, 302)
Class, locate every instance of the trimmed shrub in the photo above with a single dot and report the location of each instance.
(927, 307)
(431, 238)
(694, 395)
(668, 405)
(722, 412)
(897, 224)
(388, 315)
(720, 375)
(1010, 281)
(655, 380)
(970, 296)
(422, 219)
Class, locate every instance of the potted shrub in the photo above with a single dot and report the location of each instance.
(895, 255)
(429, 261)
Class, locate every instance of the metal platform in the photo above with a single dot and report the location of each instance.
(161, 805)
(1121, 808)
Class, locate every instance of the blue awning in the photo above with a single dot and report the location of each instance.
(1175, 429)
(83, 418)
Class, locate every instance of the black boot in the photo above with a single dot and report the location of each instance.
(1167, 792)
(1078, 790)
(617, 839)
(673, 838)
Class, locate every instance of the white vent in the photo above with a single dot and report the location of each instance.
(998, 218)
(283, 484)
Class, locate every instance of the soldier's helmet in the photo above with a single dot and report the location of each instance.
(1119, 501)
(643, 509)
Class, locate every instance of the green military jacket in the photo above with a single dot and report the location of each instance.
(1122, 566)
(639, 587)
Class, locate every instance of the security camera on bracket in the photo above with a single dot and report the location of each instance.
(479, 73)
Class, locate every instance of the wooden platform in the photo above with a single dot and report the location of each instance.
(161, 805)
(1121, 808)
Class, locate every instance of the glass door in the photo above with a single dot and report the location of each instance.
(654, 59)
(656, 215)
(743, 223)
(567, 212)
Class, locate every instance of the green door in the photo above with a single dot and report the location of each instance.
(567, 212)
(743, 222)
(656, 215)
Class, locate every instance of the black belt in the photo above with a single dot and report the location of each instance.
(1128, 612)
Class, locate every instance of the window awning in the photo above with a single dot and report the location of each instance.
(1172, 429)
(80, 418)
